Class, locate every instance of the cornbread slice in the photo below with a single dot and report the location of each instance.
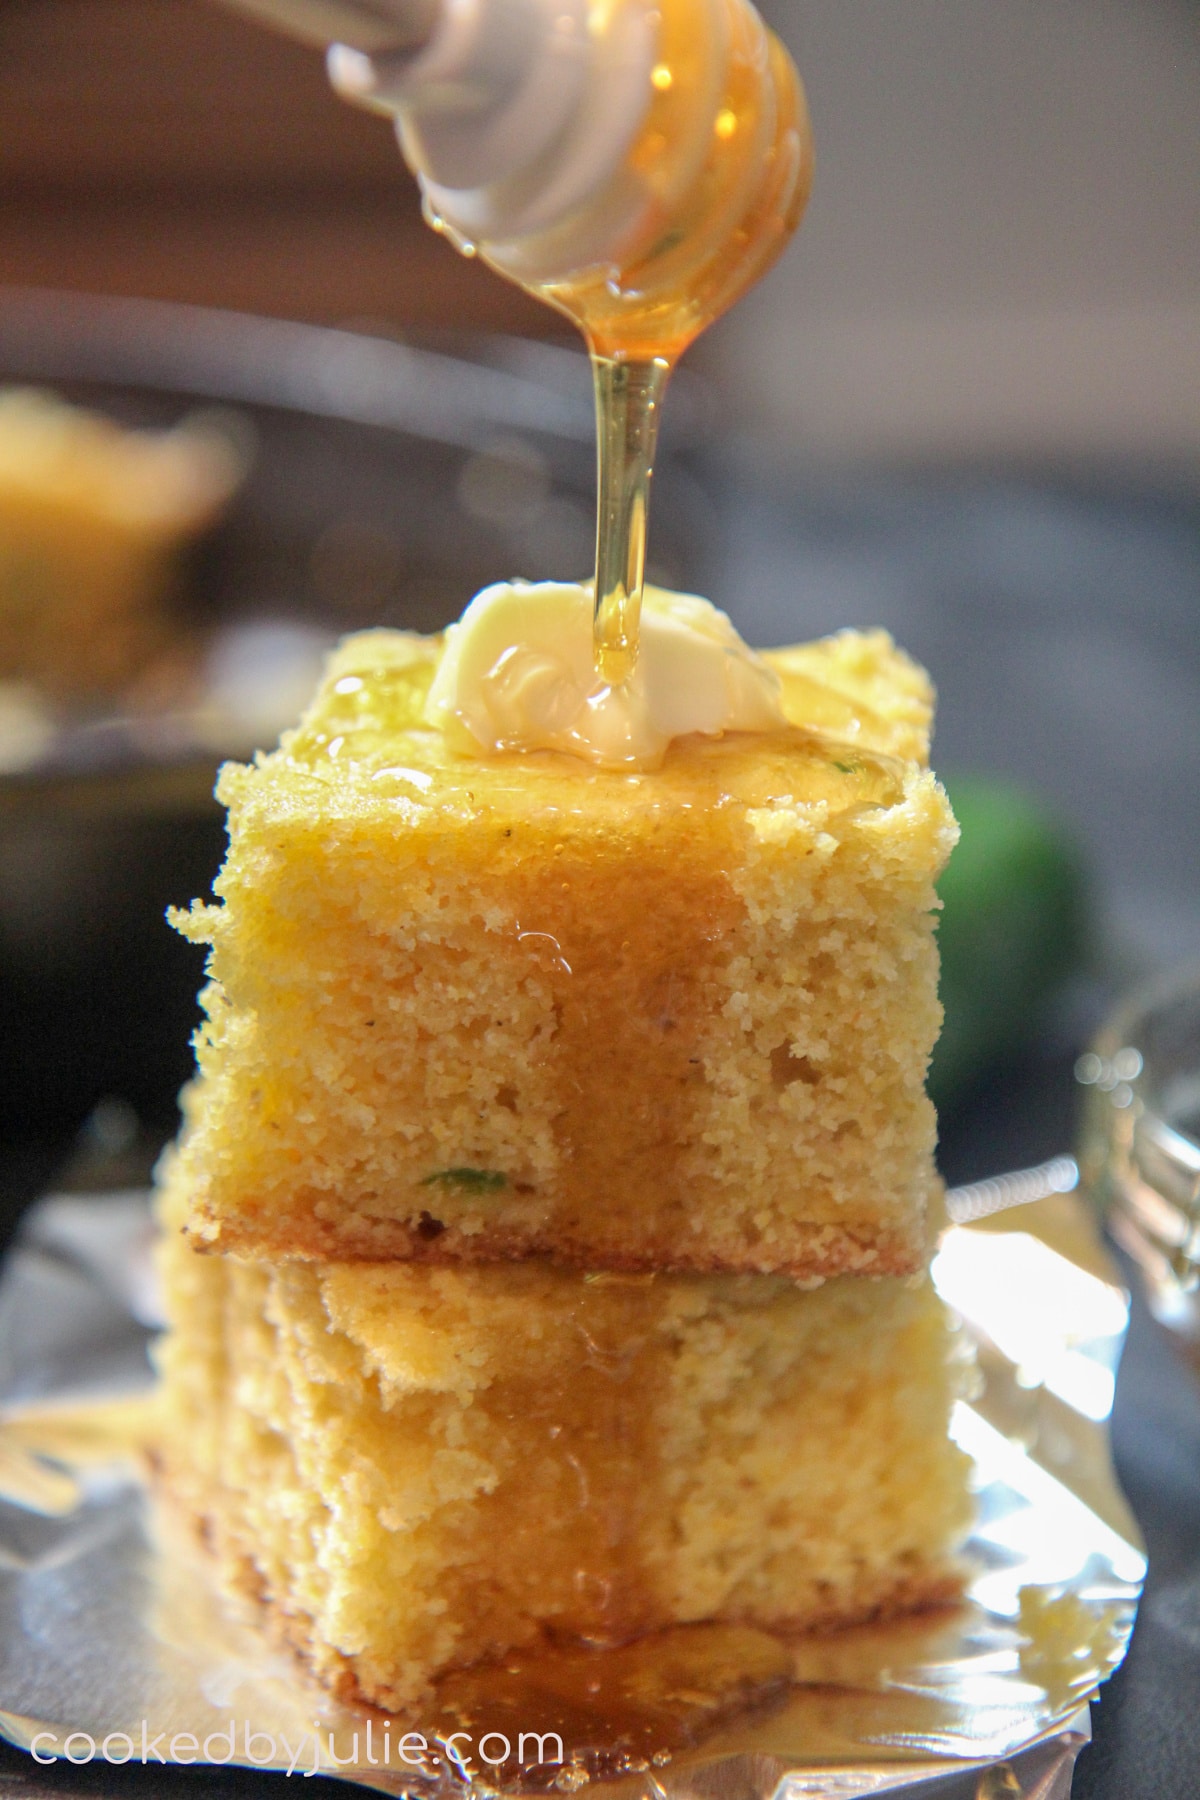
(486, 1008)
(92, 520)
(422, 1468)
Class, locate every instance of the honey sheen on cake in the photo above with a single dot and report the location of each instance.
(477, 1005)
(417, 1469)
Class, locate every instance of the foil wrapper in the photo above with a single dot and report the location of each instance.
(115, 1637)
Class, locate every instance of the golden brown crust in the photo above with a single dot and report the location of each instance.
(900, 1594)
(243, 1580)
(826, 1250)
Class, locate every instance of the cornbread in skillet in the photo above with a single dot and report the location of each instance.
(486, 1008)
(417, 1468)
(92, 519)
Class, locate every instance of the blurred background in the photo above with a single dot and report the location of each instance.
(966, 406)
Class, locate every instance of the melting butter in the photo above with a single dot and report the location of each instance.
(519, 674)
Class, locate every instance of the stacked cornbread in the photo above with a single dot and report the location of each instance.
(545, 1245)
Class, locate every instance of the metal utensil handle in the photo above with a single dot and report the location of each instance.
(979, 1199)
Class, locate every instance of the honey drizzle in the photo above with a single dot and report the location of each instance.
(628, 406)
(719, 228)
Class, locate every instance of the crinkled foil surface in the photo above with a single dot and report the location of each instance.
(114, 1631)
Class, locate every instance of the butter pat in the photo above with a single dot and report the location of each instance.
(518, 673)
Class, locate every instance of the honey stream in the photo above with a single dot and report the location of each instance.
(726, 155)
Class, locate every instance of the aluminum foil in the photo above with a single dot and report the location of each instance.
(117, 1643)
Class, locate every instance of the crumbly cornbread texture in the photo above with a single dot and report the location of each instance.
(488, 1008)
(420, 1468)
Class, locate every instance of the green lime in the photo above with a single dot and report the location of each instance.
(1013, 930)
